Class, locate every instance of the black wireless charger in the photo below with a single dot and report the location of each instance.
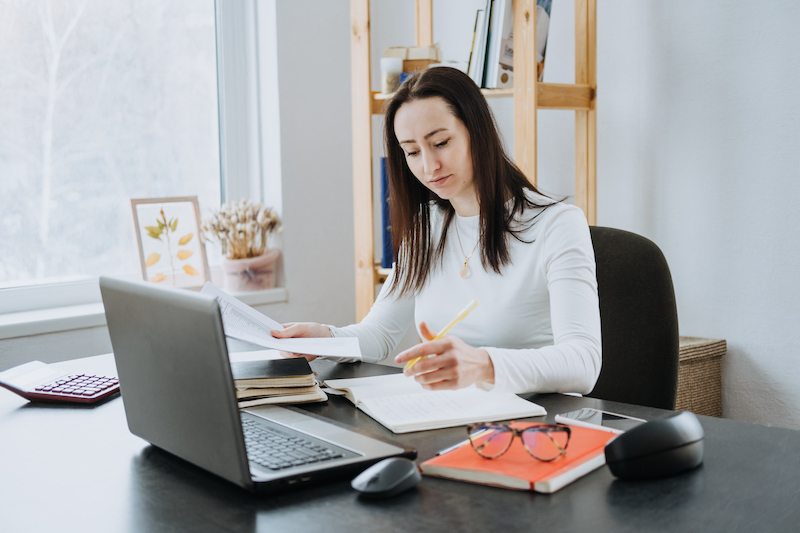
(657, 449)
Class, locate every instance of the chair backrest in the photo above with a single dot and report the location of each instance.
(639, 321)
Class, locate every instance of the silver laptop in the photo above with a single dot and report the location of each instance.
(178, 393)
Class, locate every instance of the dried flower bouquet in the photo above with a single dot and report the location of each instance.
(242, 228)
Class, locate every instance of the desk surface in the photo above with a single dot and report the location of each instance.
(77, 468)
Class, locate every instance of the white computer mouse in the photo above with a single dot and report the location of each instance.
(387, 478)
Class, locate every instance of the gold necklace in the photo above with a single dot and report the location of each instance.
(465, 272)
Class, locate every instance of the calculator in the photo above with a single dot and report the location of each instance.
(39, 381)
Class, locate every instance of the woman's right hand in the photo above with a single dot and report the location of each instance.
(300, 329)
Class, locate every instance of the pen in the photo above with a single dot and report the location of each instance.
(463, 442)
(453, 447)
(464, 312)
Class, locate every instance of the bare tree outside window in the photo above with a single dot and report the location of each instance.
(100, 101)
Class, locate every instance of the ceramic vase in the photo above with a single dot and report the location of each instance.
(251, 274)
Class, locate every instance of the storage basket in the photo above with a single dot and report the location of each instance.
(700, 376)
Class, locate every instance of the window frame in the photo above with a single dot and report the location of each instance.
(246, 44)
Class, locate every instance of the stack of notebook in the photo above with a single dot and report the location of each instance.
(277, 381)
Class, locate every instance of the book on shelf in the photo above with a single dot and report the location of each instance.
(401, 405)
(472, 44)
(275, 381)
(478, 54)
(415, 53)
(387, 257)
(500, 54)
(517, 469)
(542, 29)
(415, 57)
(500, 44)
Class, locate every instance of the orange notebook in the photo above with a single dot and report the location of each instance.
(516, 469)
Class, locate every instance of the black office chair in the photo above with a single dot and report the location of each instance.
(639, 320)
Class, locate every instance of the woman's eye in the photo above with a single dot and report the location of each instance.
(411, 154)
(442, 144)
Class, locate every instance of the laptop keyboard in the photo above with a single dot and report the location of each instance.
(276, 450)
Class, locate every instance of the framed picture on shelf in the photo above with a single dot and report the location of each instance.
(171, 250)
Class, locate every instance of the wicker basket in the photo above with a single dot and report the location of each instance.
(700, 376)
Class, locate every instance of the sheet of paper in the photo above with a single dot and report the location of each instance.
(245, 323)
(254, 355)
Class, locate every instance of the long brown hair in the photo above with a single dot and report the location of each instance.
(496, 180)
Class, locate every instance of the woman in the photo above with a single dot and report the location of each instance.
(467, 224)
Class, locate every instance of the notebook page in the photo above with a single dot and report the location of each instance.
(438, 409)
(369, 387)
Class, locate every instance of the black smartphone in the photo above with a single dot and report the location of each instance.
(597, 419)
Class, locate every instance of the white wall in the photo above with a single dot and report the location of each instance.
(698, 143)
(698, 149)
(316, 162)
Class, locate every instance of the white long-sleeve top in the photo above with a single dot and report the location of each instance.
(539, 319)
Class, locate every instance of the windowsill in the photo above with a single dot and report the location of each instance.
(26, 323)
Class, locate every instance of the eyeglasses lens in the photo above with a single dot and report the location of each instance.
(545, 445)
(490, 441)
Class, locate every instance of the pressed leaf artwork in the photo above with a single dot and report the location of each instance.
(153, 258)
(164, 230)
(171, 245)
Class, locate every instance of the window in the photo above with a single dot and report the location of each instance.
(101, 102)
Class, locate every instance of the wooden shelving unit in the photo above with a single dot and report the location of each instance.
(529, 95)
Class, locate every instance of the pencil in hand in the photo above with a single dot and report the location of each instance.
(464, 312)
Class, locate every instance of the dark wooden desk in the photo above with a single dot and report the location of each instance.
(77, 468)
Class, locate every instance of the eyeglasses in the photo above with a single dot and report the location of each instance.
(545, 442)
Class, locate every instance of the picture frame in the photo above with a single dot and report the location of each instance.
(171, 247)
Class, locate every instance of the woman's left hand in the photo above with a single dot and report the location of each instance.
(456, 364)
(302, 330)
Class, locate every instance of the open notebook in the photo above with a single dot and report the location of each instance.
(402, 405)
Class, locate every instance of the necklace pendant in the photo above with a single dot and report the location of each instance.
(465, 271)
